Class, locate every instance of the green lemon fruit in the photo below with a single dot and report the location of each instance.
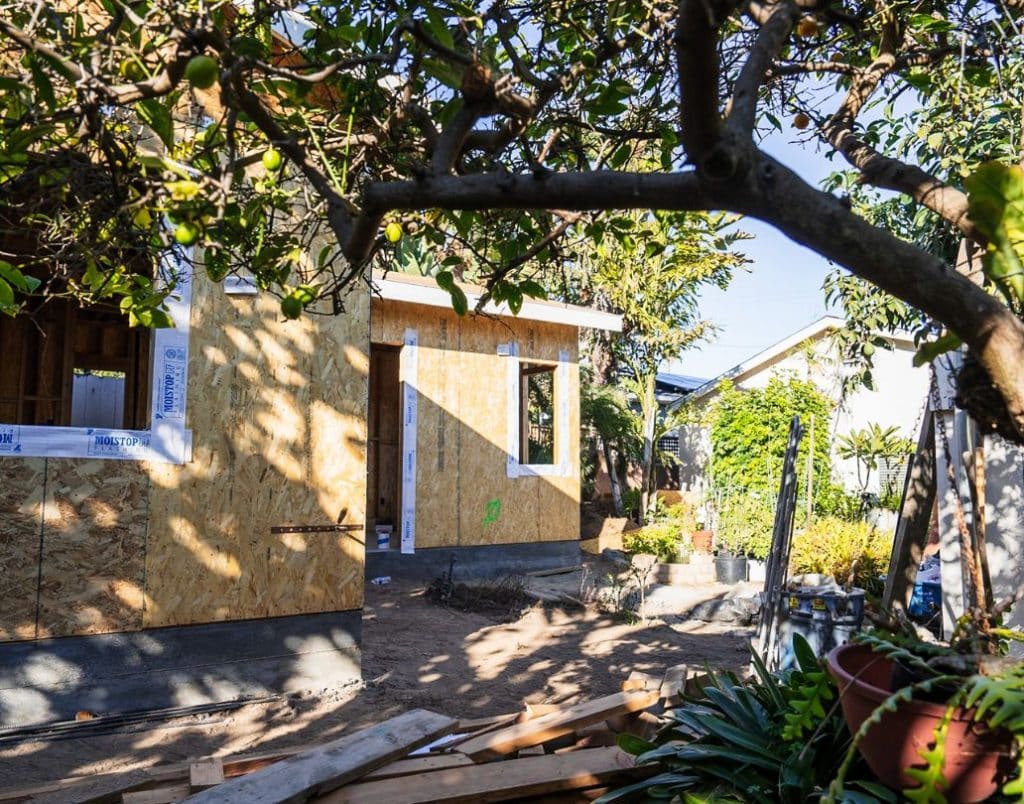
(201, 71)
(393, 232)
(306, 294)
(291, 308)
(272, 159)
(186, 233)
(132, 70)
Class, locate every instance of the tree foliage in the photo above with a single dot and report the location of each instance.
(749, 431)
(650, 269)
(871, 444)
(488, 131)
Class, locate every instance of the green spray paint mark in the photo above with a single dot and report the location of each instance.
(493, 512)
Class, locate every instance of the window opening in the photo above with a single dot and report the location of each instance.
(62, 365)
(537, 413)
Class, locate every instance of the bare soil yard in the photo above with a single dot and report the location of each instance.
(415, 654)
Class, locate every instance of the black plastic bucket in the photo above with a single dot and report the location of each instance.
(731, 569)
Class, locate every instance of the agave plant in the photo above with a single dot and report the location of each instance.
(772, 739)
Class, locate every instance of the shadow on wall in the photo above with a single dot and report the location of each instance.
(694, 455)
(131, 585)
(277, 413)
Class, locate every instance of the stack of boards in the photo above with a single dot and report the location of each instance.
(556, 753)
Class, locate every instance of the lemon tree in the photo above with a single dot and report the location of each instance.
(496, 129)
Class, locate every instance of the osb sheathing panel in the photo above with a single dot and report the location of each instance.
(21, 512)
(277, 411)
(94, 546)
(462, 428)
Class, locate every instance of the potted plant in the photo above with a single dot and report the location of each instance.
(769, 738)
(933, 717)
(702, 539)
(664, 541)
(744, 529)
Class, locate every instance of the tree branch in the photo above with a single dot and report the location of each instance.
(888, 172)
(697, 55)
(577, 192)
(769, 43)
(453, 138)
(892, 174)
(776, 195)
(339, 217)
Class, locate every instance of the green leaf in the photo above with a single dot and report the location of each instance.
(439, 28)
(155, 115)
(460, 304)
(443, 72)
(514, 299)
(533, 289)
(42, 83)
(445, 280)
(26, 284)
(6, 297)
(929, 350)
(634, 745)
(995, 202)
(805, 657)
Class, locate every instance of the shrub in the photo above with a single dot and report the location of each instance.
(662, 539)
(832, 500)
(832, 545)
(749, 431)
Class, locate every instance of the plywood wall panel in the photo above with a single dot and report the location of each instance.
(462, 429)
(21, 511)
(94, 544)
(278, 414)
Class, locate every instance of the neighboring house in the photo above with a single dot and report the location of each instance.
(213, 544)
(898, 398)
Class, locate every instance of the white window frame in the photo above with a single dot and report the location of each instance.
(514, 466)
(167, 440)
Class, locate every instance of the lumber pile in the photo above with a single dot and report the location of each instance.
(544, 752)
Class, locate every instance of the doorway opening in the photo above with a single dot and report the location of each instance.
(383, 459)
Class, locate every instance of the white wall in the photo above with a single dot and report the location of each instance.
(897, 400)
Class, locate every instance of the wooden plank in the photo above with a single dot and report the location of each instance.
(108, 788)
(641, 681)
(555, 571)
(504, 781)
(478, 723)
(915, 517)
(674, 684)
(333, 764)
(207, 773)
(414, 765)
(548, 727)
(158, 795)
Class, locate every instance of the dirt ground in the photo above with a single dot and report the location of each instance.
(416, 653)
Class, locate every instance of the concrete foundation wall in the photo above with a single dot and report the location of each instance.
(51, 679)
(471, 563)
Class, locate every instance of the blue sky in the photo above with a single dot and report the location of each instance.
(782, 291)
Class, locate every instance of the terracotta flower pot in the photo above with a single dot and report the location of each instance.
(702, 540)
(977, 760)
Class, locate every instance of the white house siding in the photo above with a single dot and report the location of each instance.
(899, 393)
